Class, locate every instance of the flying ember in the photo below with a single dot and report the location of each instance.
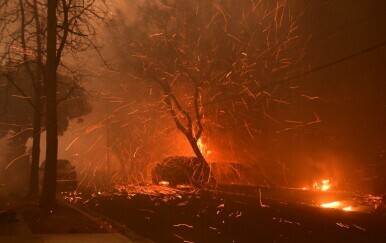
(189, 121)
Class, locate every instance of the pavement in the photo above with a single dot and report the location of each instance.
(12, 227)
(14, 230)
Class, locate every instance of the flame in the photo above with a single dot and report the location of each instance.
(323, 186)
(338, 205)
(331, 205)
(349, 208)
(163, 183)
(203, 148)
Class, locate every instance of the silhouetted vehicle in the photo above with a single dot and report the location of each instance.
(66, 175)
(179, 170)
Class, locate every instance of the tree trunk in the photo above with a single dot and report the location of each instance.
(48, 197)
(34, 171)
(196, 149)
(205, 174)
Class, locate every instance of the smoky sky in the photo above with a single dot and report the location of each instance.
(339, 83)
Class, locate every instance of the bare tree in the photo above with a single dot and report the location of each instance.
(48, 198)
(74, 29)
(39, 44)
(201, 51)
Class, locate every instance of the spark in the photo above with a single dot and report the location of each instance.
(94, 144)
(130, 113)
(73, 141)
(185, 225)
(13, 161)
(343, 225)
(310, 97)
(157, 34)
(214, 96)
(356, 226)
(22, 97)
(93, 128)
(246, 125)
(22, 131)
(183, 203)
(297, 122)
(234, 37)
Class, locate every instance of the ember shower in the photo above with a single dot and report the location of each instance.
(194, 120)
(293, 133)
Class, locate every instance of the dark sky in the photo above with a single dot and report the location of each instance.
(344, 67)
(348, 53)
(352, 104)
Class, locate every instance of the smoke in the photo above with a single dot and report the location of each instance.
(127, 9)
(129, 129)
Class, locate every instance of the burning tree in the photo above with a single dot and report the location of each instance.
(201, 53)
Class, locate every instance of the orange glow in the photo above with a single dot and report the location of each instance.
(163, 183)
(331, 205)
(337, 205)
(323, 186)
(203, 148)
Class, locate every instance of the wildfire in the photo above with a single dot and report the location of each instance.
(338, 205)
(203, 148)
(163, 183)
(349, 208)
(323, 186)
(331, 205)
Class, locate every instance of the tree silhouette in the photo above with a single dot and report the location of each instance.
(199, 52)
(43, 32)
